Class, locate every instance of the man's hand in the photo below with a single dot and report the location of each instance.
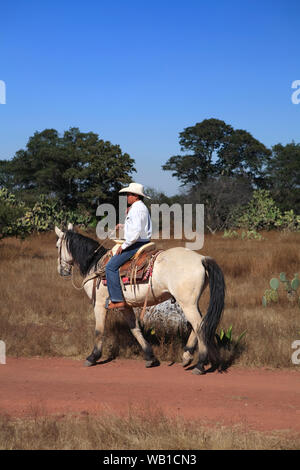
(119, 250)
(118, 226)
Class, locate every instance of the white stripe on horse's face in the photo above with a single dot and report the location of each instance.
(64, 261)
(59, 232)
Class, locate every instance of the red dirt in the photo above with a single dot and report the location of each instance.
(260, 399)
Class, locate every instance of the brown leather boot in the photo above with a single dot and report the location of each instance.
(112, 305)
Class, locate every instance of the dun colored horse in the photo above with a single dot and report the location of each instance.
(177, 272)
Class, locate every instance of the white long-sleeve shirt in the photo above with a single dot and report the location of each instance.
(138, 225)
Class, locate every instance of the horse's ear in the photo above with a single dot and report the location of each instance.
(58, 232)
(70, 226)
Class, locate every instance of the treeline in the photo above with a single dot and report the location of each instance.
(57, 179)
(68, 176)
(222, 167)
(78, 169)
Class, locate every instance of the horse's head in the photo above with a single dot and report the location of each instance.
(65, 260)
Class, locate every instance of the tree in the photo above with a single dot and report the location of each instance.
(284, 176)
(10, 211)
(221, 197)
(216, 149)
(203, 140)
(76, 168)
(243, 155)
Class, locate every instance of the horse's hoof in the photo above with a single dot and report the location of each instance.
(197, 371)
(187, 358)
(153, 363)
(89, 363)
(186, 362)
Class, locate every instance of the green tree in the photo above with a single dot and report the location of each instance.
(284, 176)
(215, 149)
(201, 141)
(243, 155)
(75, 168)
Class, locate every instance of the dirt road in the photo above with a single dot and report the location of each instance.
(258, 399)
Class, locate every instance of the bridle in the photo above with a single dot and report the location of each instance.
(67, 264)
(70, 264)
(62, 262)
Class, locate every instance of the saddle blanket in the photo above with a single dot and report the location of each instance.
(138, 270)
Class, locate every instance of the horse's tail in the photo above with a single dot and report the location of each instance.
(215, 308)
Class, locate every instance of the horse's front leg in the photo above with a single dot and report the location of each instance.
(133, 323)
(100, 316)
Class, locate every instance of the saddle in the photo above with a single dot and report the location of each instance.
(138, 268)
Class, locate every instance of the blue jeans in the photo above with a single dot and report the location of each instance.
(112, 271)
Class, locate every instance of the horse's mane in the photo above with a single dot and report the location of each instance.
(82, 250)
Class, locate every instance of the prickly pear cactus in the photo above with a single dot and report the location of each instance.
(271, 295)
(274, 283)
(18, 220)
(282, 277)
(291, 287)
(295, 283)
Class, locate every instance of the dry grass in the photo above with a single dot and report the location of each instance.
(41, 314)
(137, 430)
(248, 267)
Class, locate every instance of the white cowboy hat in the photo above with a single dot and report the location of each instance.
(135, 188)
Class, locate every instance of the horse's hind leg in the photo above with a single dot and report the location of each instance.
(193, 316)
(133, 323)
(100, 316)
(189, 349)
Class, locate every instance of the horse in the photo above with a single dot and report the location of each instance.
(178, 273)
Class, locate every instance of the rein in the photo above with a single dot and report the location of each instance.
(97, 273)
(72, 280)
(71, 265)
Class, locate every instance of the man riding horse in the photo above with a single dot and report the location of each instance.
(137, 232)
(177, 272)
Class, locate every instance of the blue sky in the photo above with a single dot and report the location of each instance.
(138, 72)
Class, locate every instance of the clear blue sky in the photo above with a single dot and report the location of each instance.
(138, 72)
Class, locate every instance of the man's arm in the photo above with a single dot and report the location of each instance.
(133, 228)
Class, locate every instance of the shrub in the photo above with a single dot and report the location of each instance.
(10, 211)
(288, 221)
(291, 287)
(261, 213)
(249, 235)
(18, 220)
(47, 213)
